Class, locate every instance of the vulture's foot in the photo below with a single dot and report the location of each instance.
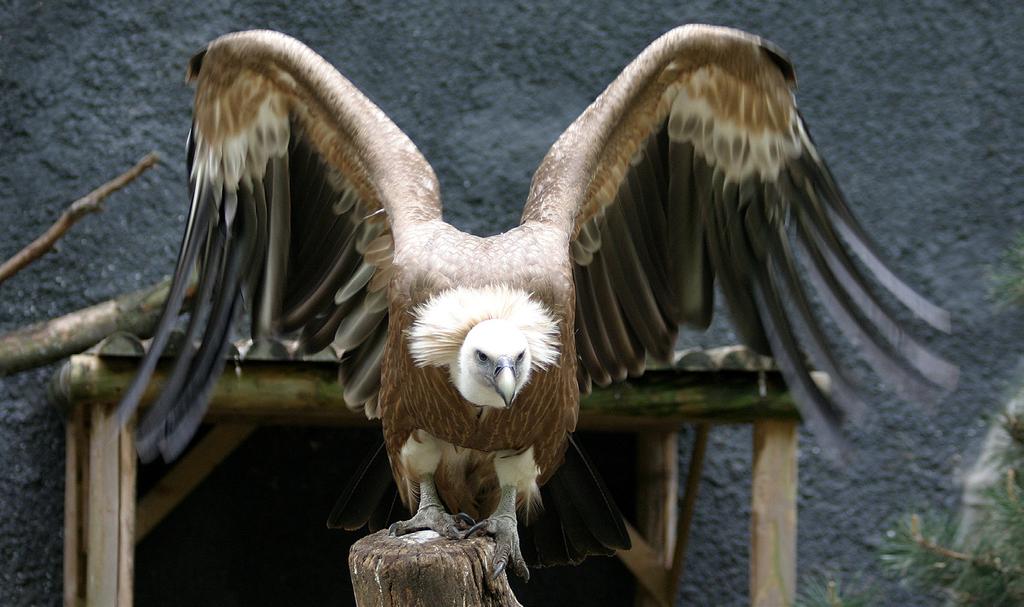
(502, 526)
(431, 515)
(436, 519)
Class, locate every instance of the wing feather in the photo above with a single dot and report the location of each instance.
(695, 167)
(692, 278)
(300, 191)
(589, 367)
(167, 431)
(775, 247)
(732, 265)
(637, 300)
(864, 245)
(205, 199)
(623, 341)
(608, 367)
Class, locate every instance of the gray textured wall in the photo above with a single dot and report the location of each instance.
(918, 113)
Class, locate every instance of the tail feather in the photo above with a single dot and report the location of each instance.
(366, 498)
(579, 519)
(388, 510)
(579, 539)
(543, 542)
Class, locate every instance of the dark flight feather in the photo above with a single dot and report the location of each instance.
(365, 493)
(701, 132)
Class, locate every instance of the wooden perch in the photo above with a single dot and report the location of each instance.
(254, 391)
(90, 203)
(424, 570)
(52, 340)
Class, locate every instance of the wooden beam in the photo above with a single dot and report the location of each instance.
(689, 506)
(197, 463)
(773, 515)
(308, 391)
(254, 385)
(657, 499)
(644, 562)
(674, 396)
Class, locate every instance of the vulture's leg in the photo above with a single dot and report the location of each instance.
(420, 456)
(516, 472)
(502, 525)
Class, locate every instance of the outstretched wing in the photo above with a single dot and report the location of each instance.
(695, 165)
(301, 188)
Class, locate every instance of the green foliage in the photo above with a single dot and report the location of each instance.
(1013, 458)
(983, 564)
(980, 566)
(1008, 276)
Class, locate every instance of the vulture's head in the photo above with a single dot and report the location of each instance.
(491, 340)
(494, 364)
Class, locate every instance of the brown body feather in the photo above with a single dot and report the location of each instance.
(414, 397)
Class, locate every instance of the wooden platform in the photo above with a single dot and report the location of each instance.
(727, 385)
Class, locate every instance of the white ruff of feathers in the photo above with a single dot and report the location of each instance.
(442, 324)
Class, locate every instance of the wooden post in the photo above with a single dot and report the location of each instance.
(103, 505)
(108, 476)
(424, 570)
(773, 515)
(126, 515)
(75, 478)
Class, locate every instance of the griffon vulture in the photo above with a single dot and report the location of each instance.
(315, 214)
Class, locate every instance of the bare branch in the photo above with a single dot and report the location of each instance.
(51, 340)
(90, 203)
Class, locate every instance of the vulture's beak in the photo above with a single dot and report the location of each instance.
(505, 380)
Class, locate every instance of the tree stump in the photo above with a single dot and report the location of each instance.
(423, 569)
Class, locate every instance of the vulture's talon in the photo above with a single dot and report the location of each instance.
(464, 521)
(506, 538)
(476, 530)
(498, 566)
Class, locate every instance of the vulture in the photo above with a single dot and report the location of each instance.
(316, 223)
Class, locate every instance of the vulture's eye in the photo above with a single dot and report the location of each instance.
(481, 356)
(519, 358)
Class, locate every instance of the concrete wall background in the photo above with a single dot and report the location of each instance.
(917, 111)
